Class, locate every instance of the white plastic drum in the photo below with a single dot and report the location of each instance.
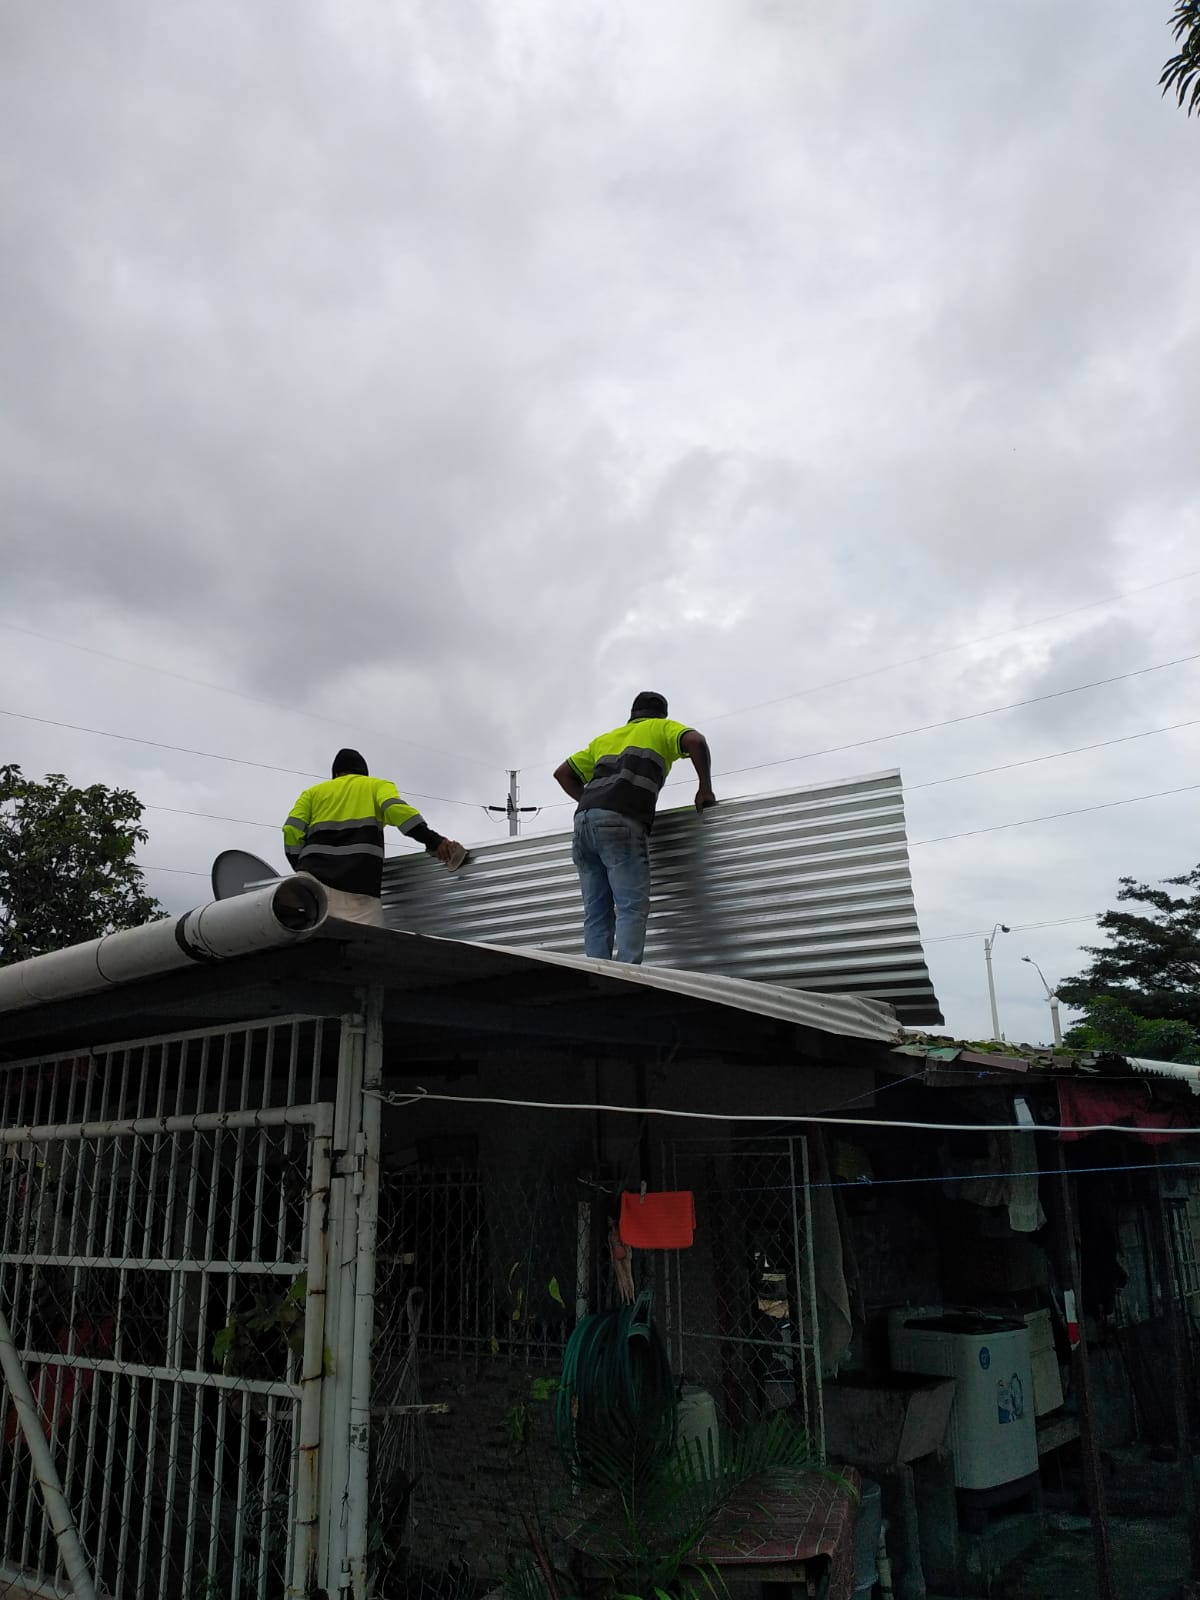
(696, 1422)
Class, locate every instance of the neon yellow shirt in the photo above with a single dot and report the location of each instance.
(624, 770)
(336, 828)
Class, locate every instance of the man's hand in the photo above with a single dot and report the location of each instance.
(450, 852)
(695, 746)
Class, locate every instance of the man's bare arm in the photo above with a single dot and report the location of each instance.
(567, 778)
(695, 746)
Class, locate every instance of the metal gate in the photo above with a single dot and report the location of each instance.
(742, 1303)
(162, 1286)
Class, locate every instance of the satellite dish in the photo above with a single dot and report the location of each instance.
(237, 872)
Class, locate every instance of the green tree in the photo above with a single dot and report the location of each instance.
(67, 872)
(1151, 963)
(1181, 75)
(1109, 1025)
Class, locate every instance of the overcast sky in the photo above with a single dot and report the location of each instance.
(445, 373)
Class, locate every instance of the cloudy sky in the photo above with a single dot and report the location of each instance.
(430, 377)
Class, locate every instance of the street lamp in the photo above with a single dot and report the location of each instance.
(1052, 997)
(1001, 927)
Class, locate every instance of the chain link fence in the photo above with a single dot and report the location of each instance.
(742, 1303)
(483, 1270)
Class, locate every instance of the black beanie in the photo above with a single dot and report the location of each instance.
(347, 761)
(648, 704)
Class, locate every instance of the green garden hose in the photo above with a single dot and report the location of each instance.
(616, 1402)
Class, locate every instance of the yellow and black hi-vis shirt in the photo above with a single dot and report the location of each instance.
(625, 769)
(336, 828)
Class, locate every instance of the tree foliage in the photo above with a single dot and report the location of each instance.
(67, 868)
(1151, 964)
(1181, 75)
(1108, 1025)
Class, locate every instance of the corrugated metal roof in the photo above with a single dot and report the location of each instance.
(810, 889)
(1180, 1071)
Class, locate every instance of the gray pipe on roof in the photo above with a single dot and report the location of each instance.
(281, 913)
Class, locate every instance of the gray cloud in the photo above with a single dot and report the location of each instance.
(451, 374)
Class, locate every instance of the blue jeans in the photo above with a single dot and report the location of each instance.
(612, 856)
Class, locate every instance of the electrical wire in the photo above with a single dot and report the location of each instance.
(928, 783)
(1053, 755)
(1054, 816)
(240, 694)
(1016, 927)
(966, 716)
(952, 649)
(973, 833)
(420, 1095)
(932, 655)
(970, 716)
(208, 755)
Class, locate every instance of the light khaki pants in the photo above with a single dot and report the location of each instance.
(346, 907)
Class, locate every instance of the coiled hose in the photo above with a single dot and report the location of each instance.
(615, 1407)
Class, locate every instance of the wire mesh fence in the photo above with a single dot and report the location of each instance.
(741, 1307)
(161, 1282)
(483, 1271)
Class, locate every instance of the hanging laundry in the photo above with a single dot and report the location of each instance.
(664, 1221)
(1084, 1105)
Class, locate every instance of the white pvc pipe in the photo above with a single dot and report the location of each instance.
(281, 913)
(62, 1522)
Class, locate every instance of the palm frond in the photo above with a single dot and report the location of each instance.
(654, 1513)
(1181, 74)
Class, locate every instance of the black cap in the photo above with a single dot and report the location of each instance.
(347, 761)
(648, 704)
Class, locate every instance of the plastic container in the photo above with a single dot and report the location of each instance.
(697, 1428)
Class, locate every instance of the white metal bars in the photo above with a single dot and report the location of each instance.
(164, 1276)
(353, 1225)
(741, 1309)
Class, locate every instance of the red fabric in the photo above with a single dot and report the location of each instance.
(1081, 1105)
(766, 1526)
(658, 1221)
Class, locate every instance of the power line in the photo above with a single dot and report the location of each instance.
(1016, 927)
(927, 783)
(240, 694)
(942, 650)
(941, 838)
(208, 755)
(970, 716)
(951, 649)
(1053, 755)
(966, 716)
(1055, 816)
(212, 816)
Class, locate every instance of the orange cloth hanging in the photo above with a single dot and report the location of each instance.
(658, 1221)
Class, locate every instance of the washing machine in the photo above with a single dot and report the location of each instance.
(992, 1430)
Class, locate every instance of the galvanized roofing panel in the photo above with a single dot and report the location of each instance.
(810, 889)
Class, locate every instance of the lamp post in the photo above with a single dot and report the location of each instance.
(1052, 997)
(1001, 927)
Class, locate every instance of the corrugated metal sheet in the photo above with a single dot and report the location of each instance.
(810, 889)
(1181, 1071)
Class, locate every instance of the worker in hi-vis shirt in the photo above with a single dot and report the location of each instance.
(335, 832)
(616, 781)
